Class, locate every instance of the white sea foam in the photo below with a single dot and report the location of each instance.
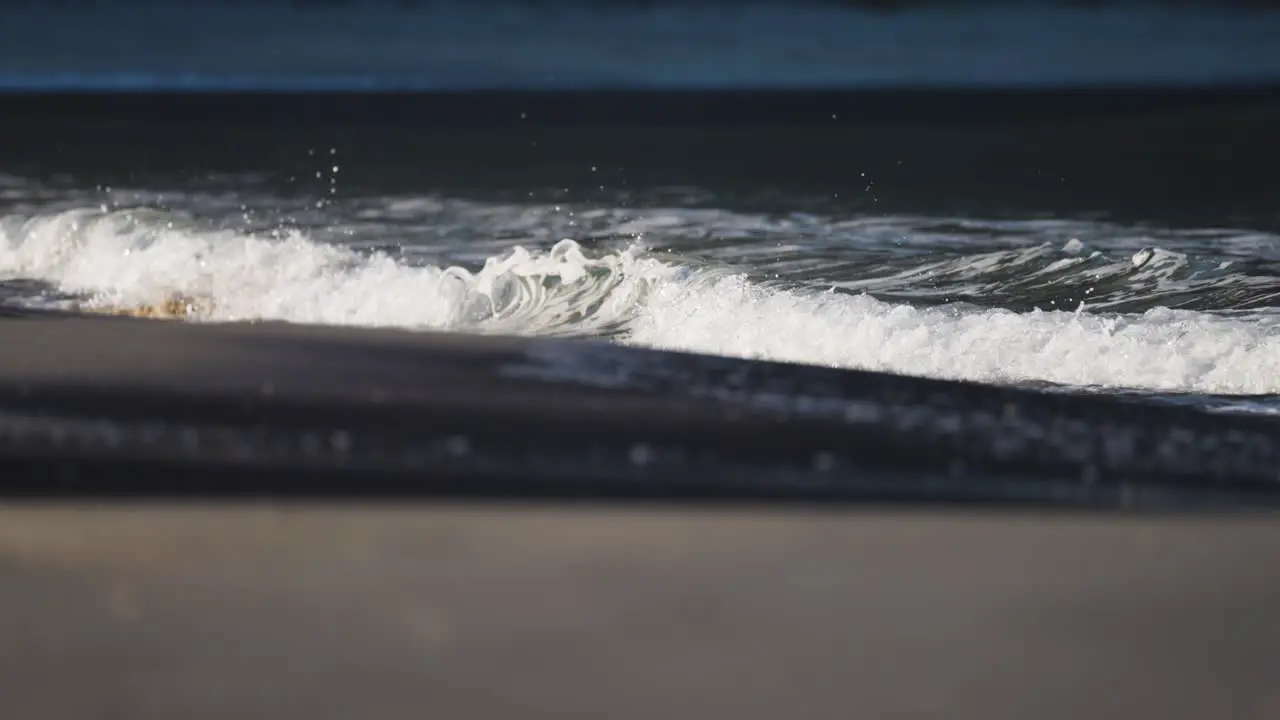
(1160, 349)
(130, 258)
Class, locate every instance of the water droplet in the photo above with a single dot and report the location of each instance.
(340, 440)
(457, 446)
(641, 454)
(824, 462)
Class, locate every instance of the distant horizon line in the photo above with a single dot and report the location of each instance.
(874, 5)
(303, 85)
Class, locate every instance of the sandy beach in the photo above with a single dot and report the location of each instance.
(271, 611)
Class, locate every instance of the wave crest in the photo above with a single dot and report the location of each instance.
(152, 263)
(112, 260)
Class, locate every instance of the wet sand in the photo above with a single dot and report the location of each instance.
(98, 405)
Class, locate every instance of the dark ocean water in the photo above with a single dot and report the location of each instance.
(439, 44)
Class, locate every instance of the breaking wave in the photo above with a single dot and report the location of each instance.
(1060, 311)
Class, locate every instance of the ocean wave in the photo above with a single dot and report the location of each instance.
(109, 260)
(1068, 277)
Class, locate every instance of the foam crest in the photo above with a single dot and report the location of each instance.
(141, 257)
(1160, 349)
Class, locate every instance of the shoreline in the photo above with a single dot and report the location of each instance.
(112, 406)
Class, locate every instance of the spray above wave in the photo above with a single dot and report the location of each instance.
(129, 258)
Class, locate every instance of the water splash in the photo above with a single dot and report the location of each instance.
(1174, 322)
